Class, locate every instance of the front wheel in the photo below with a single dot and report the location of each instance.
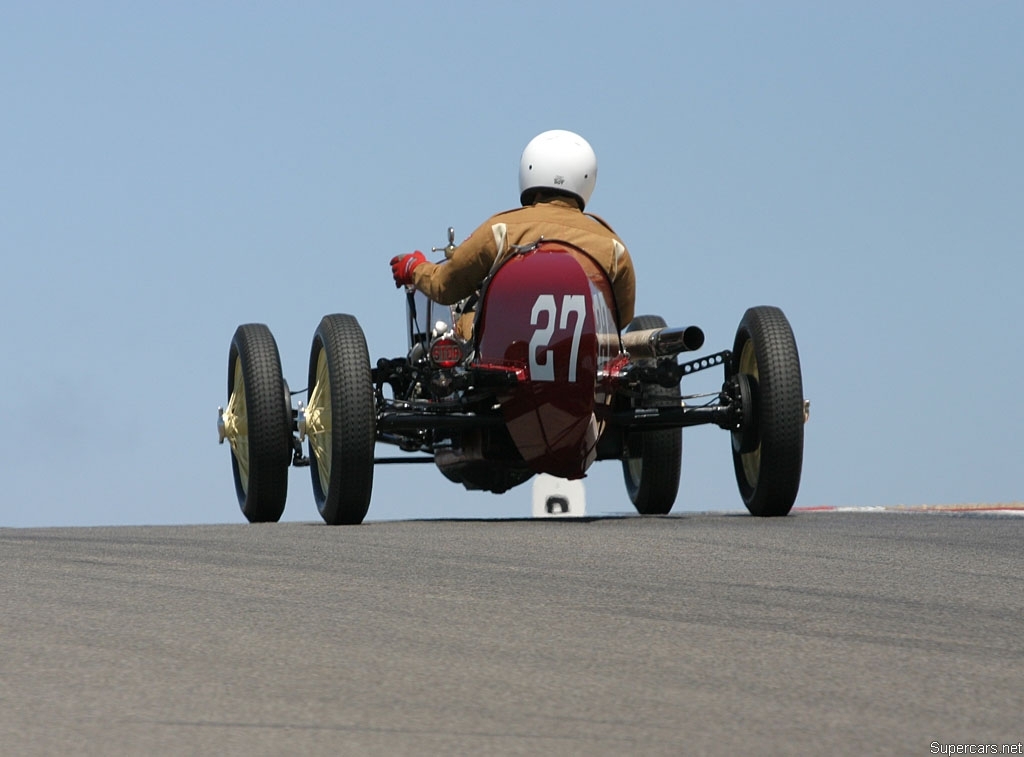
(652, 460)
(341, 421)
(767, 449)
(257, 423)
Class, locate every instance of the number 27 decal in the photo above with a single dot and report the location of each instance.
(542, 364)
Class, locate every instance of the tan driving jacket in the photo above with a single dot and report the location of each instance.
(558, 219)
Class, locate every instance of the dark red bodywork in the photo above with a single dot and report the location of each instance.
(550, 315)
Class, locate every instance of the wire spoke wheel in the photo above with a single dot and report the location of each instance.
(341, 421)
(257, 423)
(768, 447)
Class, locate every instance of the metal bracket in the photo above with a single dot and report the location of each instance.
(666, 372)
(701, 364)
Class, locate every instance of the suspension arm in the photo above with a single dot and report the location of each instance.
(391, 421)
(725, 416)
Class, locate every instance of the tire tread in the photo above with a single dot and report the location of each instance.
(353, 416)
(779, 409)
(268, 421)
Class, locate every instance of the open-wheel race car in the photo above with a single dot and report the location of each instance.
(546, 384)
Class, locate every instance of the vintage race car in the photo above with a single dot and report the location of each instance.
(547, 384)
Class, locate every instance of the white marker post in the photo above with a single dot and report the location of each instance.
(555, 497)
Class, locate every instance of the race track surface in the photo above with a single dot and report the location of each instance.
(835, 632)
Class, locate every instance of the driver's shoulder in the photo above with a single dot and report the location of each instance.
(505, 214)
(600, 221)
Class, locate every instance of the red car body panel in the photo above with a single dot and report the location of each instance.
(550, 313)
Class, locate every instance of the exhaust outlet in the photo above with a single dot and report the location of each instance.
(664, 342)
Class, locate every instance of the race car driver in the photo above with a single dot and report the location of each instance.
(557, 173)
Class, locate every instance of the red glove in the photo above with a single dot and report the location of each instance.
(402, 267)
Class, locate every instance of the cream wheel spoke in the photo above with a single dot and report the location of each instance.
(752, 466)
(318, 420)
(236, 425)
(748, 359)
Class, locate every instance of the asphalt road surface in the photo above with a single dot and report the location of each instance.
(820, 633)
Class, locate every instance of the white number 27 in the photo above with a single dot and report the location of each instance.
(542, 365)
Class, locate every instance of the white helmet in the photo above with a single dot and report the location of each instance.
(561, 161)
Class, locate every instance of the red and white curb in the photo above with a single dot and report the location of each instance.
(1002, 508)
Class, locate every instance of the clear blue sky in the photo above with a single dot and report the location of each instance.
(172, 169)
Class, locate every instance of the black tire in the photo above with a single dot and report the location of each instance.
(260, 413)
(652, 461)
(341, 421)
(768, 449)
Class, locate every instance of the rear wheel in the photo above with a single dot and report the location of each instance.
(767, 449)
(652, 461)
(257, 423)
(341, 420)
